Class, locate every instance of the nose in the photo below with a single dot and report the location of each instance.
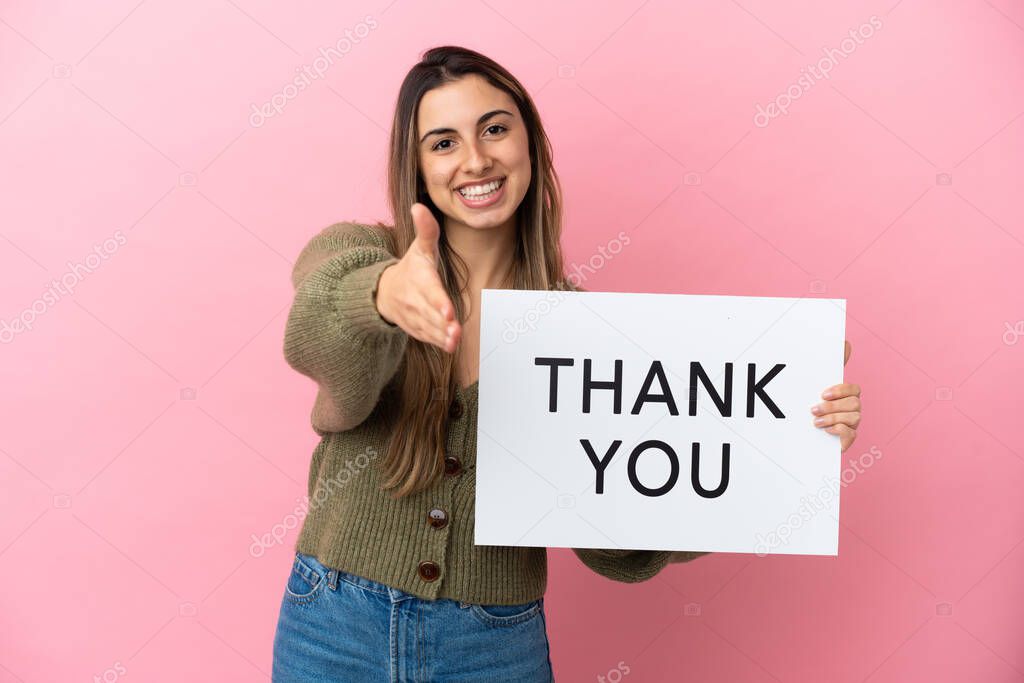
(477, 161)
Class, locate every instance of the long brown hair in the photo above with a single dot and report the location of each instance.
(414, 458)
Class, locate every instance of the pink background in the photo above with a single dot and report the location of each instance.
(129, 504)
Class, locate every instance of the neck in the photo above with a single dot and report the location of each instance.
(488, 252)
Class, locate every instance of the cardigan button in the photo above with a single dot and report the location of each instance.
(429, 571)
(437, 518)
(452, 465)
(455, 410)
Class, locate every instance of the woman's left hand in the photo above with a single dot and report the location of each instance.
(840, 413)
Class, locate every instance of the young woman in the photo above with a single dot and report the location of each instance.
(387, 584)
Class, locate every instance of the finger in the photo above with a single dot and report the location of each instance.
(846, 435)
(428, 232)
(847, 350)
(851, 419)
(840, 405)
(433, 321)
(455, 336)
(440, 302)
(841, 390)
(841, 430)
(442, 314)
(433, 329)
(429, 333)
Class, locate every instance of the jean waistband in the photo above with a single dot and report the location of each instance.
(334, 574)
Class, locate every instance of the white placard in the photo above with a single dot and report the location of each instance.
(536, 482)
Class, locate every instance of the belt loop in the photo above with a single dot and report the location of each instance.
(398, 595)
(332, 579)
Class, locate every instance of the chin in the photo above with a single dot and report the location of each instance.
(483, 222)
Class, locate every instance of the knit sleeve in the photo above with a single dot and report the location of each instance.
(631, 566)
(334, 333)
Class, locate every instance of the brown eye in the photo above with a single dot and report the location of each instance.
(437, 146)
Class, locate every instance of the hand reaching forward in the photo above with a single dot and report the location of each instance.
(410, 293)
(841, 414)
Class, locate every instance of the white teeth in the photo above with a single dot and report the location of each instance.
(477, 191)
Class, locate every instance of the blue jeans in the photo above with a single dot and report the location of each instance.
(336, 626)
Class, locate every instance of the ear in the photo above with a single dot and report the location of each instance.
(846, 351)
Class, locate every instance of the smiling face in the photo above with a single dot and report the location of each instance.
(472, 138)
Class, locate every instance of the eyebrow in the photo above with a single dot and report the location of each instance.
(438, 131)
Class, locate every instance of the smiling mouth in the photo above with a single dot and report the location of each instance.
(480, 192)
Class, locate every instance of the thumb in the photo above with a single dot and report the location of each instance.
(847, 349)
(428, 232)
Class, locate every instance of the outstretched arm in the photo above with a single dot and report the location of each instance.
(334, 333)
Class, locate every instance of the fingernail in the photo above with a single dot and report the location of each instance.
(816, 410)
(819, 421)
(827, 394)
